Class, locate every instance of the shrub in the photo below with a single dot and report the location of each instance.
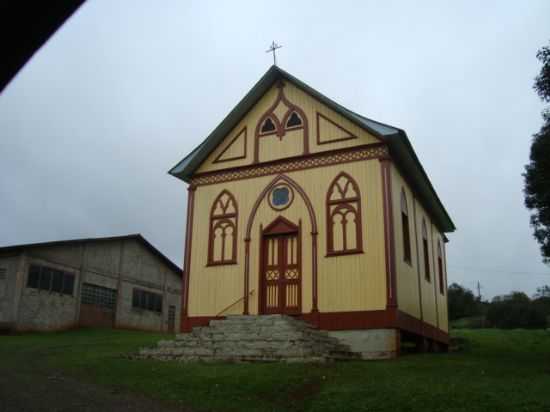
(515, 311)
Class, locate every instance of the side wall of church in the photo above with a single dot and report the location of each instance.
(354, 282)
(416, 295)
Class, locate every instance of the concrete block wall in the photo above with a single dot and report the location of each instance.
(120, 264)
(42, 310)
(7, 289)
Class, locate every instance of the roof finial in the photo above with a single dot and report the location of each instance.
(274, 46)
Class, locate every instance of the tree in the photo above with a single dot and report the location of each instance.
(462, 302)
(537, 172)
(515, 311)
(543, 292)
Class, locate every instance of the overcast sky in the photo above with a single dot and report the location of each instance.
(125, 89)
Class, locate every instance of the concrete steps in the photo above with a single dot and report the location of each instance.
(267, 338)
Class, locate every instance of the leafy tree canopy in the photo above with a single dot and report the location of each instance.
(537, 172)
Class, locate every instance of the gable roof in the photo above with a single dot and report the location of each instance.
(400, 147)
(135, 236)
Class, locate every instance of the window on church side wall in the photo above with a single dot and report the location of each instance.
(268, 126)
(343, 205)
(425, 251)
(405, 228)
(440, 268)
(222, 244)
(293, 121)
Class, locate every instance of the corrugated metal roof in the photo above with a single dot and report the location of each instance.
(397, 140)
(135, 236)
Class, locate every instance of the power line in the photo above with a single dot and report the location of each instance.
(497, 270)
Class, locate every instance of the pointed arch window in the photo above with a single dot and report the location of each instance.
(268, 126)
(294, 121)
(440, 268)
(343, 205)
(405, 228)
(222, 242)
(425, 251)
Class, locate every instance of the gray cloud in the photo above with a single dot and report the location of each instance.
(123, 90)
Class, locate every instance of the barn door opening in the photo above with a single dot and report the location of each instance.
(280, 269)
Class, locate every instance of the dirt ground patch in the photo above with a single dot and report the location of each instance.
(31, 388)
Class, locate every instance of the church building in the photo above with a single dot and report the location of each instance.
(299, 206)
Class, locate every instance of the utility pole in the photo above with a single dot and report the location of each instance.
(478, 291)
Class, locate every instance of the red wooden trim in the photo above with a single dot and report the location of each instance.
(417, 260)
(345, 252)
(314, 307)
(342, 203)
(197, 321)
(279, 228)
(246, 277)
(224, 217)
(230, 159)
(341, 139)
(280, 129)
(375, 319)
(287, 116)
(187, 257)
(280, 225)
(294, 163)
(280, 209)
(391, 286)
(314, 231)
(266, 190)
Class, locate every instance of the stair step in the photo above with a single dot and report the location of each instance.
(269, 338)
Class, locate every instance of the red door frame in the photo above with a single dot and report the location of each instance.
(281, 228)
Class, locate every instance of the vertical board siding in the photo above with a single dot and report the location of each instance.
(407, 275)
(408, 296)
(345, 283)
(272, 147)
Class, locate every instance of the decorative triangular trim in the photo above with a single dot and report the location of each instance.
(279, 226)
(221, 159)
(349, 136)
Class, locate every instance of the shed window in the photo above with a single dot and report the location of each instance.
(426, 251)
(50, 279)
(405, 228)
(343, 205)
(222, 245)
(98, 295)
(142, 299)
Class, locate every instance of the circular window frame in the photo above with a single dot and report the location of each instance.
(290, 197)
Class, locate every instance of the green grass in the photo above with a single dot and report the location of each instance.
(496, 371)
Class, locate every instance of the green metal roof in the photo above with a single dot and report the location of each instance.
(400, 147)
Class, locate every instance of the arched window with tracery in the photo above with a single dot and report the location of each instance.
(405, 228)
(440, 268)
(222, 242)
(343, 216)
(426, 251)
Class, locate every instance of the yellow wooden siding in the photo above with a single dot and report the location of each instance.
(272, 147)
(408, 299)
(441, 298)
(345, 283)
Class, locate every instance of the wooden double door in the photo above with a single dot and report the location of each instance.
(280, 274)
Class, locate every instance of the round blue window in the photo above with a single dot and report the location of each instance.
(280, 196)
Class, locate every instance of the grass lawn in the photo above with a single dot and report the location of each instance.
(497, 371)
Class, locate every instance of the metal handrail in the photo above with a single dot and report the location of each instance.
(234, 303)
